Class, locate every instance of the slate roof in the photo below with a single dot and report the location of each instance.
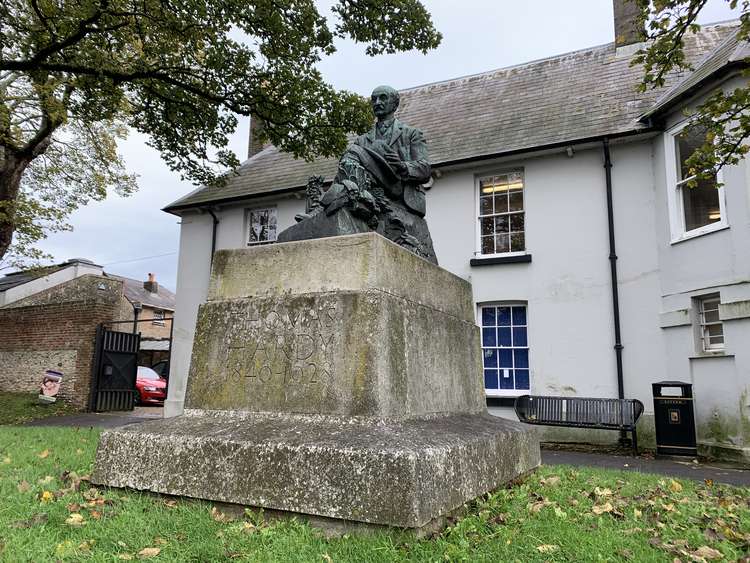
(136, 293)
(573, 97)
(729, 54)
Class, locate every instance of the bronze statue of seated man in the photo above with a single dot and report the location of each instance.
(377, 186)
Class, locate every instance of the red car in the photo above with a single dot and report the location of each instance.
(152, 389)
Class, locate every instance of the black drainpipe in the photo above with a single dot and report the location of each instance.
(213, 233)
(613, 270)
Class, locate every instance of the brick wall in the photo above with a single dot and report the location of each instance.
(49, 328)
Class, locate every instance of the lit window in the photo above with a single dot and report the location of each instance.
(501, 214)
(695, 210)
(505, 349)
(711, 327)
(261, 225)
(158, 317)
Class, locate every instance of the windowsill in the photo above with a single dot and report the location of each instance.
(505, 393)
(706, 355)
(708, 229)
(501, 259)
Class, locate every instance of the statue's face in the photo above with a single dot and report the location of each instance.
(383, 102)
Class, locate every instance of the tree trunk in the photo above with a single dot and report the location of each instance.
(11, 170)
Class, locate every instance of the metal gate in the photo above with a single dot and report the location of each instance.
(115, 369)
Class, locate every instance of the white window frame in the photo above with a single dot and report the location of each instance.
(675, 201)
(704, 343)
(159, 320)
(504, 392)
(477, 215)
(248, 211)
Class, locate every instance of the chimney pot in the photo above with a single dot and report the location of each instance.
(629, 27)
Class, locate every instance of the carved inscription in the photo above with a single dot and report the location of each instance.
(283, 346)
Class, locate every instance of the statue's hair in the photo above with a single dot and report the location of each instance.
(392, 92)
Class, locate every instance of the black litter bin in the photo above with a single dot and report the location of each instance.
(674, 418)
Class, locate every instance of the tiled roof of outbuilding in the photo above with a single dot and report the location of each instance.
(136, 293)
(576, 96)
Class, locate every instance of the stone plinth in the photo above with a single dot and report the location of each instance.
(334, 377)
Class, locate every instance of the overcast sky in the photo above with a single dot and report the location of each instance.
(132, 236)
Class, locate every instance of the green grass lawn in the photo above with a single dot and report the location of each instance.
(47, 513)
(16, 408)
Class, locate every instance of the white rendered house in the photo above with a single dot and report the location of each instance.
(519, 207)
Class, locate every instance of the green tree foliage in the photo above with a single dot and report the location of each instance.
(75, 74)
(723, 115)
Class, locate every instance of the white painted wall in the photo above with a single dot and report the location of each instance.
(712, 263)
(73, 271)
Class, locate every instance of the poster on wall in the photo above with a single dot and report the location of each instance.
(50, 386)
(262, 226)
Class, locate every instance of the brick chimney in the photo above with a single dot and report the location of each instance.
(254, 145)
(151, 286)
(629, 28)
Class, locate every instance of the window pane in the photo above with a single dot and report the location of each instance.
(506, 358)
(522, 379)
(519, 336)
(490, 379)
(501, 202)
(521, 358)
(503, 316)
(488, 245)
(688, 140)
(504, 336)
(488, 337)
(486, 186)
(516, 201)
(488, 226)
(488, 316)
(485, 205)
(490, 358)
(715, 330)
(506, 379)
(502, 243)
(519, 315)
(516, 222)
(701, 204)
(517, 242)
(711, 316)
(502, 224)
(716, 340)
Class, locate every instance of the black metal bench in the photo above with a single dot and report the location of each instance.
(581, 412)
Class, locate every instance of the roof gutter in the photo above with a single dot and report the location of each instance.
(175, 209)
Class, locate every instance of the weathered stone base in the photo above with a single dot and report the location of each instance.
(406, 473)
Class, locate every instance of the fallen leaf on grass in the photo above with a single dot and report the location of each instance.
(327, 558)
(35, 520)
(249, 527)
(637, 513)
(602, 492)
(23, 487)
(170, 503)
(626, 554)
(46, 496)
(125, 556)
(535, 507)
(6, 460)
(547, 548)
(707, 553)
(46, 480)
(95, 514)
(551, 481)
(601, 509)
(75, 519)
(674, 486)
(148, 552)
(160, 541)
(560, 513)
(44, 454)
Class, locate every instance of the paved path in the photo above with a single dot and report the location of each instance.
(101, 419)
(685, 469)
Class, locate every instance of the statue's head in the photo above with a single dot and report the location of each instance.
(384, 100)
